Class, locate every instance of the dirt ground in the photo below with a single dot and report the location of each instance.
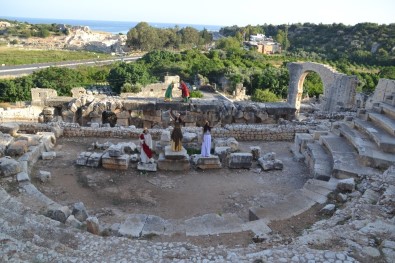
(112, 194)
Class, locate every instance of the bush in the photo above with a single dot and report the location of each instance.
(264, 96)
(133, 88)
(196, 94)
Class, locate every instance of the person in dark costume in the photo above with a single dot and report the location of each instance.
(176, 134)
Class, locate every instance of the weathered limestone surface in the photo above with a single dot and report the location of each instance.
(211, 162)
(240, 160)
(339, 89)
(120, 162)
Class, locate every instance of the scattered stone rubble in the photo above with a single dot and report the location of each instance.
(362, 225)
(356, 189)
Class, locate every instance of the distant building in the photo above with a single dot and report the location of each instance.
(263, 44)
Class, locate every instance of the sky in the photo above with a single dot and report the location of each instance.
(208, 12)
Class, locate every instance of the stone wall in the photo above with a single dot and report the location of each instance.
(237, 131)
(25, 114)
(39, 96)
(154, 112)
(385, 88)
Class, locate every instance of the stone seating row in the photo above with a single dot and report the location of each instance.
(351, 148)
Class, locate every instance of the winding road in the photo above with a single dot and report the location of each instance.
(14, 71)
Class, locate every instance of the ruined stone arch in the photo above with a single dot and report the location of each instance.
(339, 89)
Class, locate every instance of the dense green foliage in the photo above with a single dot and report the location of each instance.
(264, 96)
(313, 85)
(133, 73)
(147, 38)
(179, 52)
(60, 79)
(196, 94)
(364, 43)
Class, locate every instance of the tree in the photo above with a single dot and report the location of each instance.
(132, 73)
(143, 37)
(205, 36)
(282, 38)
(190, 36)
(387, 72)
(313, 85)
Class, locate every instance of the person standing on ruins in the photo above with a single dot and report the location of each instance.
(176, 134)
(206, 140)
(169, 92)
(146, 146)
(184, 91)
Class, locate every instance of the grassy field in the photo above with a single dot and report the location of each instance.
(19, 56)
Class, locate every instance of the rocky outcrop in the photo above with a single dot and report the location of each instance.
(79, 38)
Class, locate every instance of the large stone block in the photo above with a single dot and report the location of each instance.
(83, 157)
(115, 150)
(173, 164)
(94, 160)
(170, 154)
(9, 166)
(115, 163)
(240, 160)
(149, 167)
(123, 122)
(211, 162)
(17, 148)
(222, 152)
(9, 128)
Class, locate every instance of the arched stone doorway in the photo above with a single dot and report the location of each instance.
(339, 89)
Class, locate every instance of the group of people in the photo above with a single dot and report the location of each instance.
(184, 91)
(176, 139)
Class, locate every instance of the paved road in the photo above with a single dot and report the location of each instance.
(28, 69)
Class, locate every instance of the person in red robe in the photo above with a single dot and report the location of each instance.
(146, 145)
(185, 91)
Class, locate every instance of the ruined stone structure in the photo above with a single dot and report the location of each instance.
(351, 162)
(154, 112)
(384, 91)
(339, 89)
(39, 96)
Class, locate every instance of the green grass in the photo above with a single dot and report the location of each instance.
(15, 56)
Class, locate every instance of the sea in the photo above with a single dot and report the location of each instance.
(114, 27)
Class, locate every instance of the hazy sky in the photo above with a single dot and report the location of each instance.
(208, 12)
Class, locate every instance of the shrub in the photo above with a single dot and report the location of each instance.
(264, 96)
(133, 88)
(196, 94)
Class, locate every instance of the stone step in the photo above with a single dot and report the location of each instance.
(384, 141)
(383, 121)
(345, 158)
(213, 224)
(388, 110)
(319, 161)
(369, 153)
(292, 205)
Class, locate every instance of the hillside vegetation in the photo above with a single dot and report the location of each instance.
(365, 43)
(365, 50)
